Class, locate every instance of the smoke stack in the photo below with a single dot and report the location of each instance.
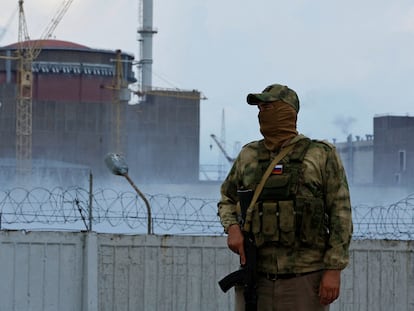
(146, 33)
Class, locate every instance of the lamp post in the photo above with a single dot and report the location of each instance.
(118, 166)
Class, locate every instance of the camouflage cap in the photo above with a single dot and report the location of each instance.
(273, 93)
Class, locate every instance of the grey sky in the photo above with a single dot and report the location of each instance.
(347, 60)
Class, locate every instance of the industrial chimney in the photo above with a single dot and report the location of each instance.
(145, 40)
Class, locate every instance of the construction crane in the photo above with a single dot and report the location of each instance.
(119, 85)
(27, 53)
(230, 159)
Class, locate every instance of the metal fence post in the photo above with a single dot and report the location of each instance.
(90, 200)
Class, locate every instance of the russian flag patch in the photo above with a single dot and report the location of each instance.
(278, 169)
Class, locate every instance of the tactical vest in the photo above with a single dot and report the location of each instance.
(283, 215)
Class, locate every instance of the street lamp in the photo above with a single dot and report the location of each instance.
(118, 166)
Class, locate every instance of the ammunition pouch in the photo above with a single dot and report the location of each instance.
(274, 221)
(313, 219)
(276, 186)
(287, 222)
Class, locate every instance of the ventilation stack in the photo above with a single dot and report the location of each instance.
(146, 33)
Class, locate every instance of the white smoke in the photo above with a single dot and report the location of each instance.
(344, 124)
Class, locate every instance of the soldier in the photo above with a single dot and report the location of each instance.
(301, 221)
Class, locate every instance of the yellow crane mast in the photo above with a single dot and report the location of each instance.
(120, 93)
(27, 52)
(118, 85)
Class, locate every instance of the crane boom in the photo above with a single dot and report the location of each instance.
(47, 33)
(230, 159)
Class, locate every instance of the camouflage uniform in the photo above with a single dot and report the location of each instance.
(308, 240)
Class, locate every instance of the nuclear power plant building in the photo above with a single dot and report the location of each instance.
(81, 111)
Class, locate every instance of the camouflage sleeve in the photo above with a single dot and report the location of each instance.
(227, 204)
(339, 213)
(241, 176)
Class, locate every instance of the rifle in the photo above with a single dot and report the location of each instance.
(246, 276)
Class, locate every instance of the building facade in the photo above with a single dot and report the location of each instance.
(357, 157)
(164, 137)
(394, 150)
(80, 112)
(384, 159)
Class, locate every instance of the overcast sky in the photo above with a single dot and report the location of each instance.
(348, 60)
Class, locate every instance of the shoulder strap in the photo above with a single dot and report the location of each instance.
(259, 188)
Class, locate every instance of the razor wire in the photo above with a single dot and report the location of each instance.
(110, 211)
(125, 212)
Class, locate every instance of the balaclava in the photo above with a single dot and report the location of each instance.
(277, 125)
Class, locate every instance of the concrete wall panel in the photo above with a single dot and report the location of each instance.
(163, 272)
(379, 277)
(90, 272)
(40, 271)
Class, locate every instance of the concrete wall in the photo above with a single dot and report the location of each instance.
(41, 271)
(90, 272)
(380, 277)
